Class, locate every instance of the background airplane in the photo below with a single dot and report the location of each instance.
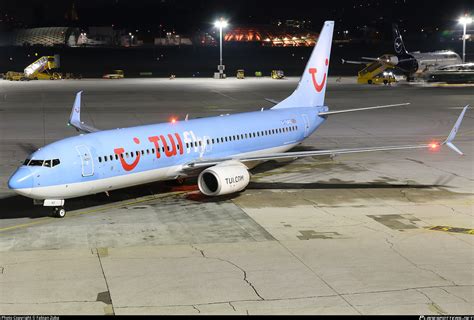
(412, 64)
(218, 150)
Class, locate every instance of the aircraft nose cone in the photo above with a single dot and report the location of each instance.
(21, 181)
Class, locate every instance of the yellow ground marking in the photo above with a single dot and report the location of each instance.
(452, 229)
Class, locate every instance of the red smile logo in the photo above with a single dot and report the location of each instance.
(313, 71)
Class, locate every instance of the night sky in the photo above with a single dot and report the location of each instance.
(188, 16)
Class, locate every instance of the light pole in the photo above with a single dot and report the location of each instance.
(221, 24)
(464, 21)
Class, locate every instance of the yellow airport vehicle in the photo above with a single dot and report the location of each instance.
(41, 69)
(375, 71)
(15, 76)
(386, 78)
(277, 74)
(38, 70)
(117, 74)
(241, 74)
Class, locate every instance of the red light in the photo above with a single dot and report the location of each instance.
(434, 146)
(173, 120)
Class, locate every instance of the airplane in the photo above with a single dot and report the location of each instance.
(412, 64)
(415, 63)
(218, 150)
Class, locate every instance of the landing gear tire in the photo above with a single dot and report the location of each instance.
(369, 82)
(59, 212)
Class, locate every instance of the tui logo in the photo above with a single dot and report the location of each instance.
(313, 71)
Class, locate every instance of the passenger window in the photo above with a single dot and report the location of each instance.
(105, 158)
(153, 150)
(100, 159)
(126, 155)
(111, 158)
(116, 157)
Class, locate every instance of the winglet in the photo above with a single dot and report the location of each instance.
(449, 141)
(75, 118)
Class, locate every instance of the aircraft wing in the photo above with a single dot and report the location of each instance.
(272, 101)
(296, 155)
(75, 118)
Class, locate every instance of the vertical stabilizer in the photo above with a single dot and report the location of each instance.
(398, 44)
(312, 86)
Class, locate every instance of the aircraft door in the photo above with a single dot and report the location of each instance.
(86, 161)
(306, 124)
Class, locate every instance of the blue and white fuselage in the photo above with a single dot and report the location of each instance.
(94, 162)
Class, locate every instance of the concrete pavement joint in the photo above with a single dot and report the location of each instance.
(299, 298)
(232, 306)
(436, 307)
(406, 289)
(105, 279)
(230, 262)
(391, 245)
(452, 294)
(435, 168)
(320, 278)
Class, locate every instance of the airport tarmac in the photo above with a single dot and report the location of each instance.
(379, 233)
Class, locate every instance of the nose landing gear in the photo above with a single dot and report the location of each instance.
(59, 212)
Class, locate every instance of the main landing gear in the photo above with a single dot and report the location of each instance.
(59, 212)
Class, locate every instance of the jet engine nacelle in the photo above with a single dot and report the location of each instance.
(225, 178)
(393, 60)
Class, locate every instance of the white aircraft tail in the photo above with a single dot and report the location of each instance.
(311, 89)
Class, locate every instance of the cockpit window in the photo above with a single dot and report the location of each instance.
(37, 163)
(42, 163)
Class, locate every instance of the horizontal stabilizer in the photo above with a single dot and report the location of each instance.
(327, 113)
